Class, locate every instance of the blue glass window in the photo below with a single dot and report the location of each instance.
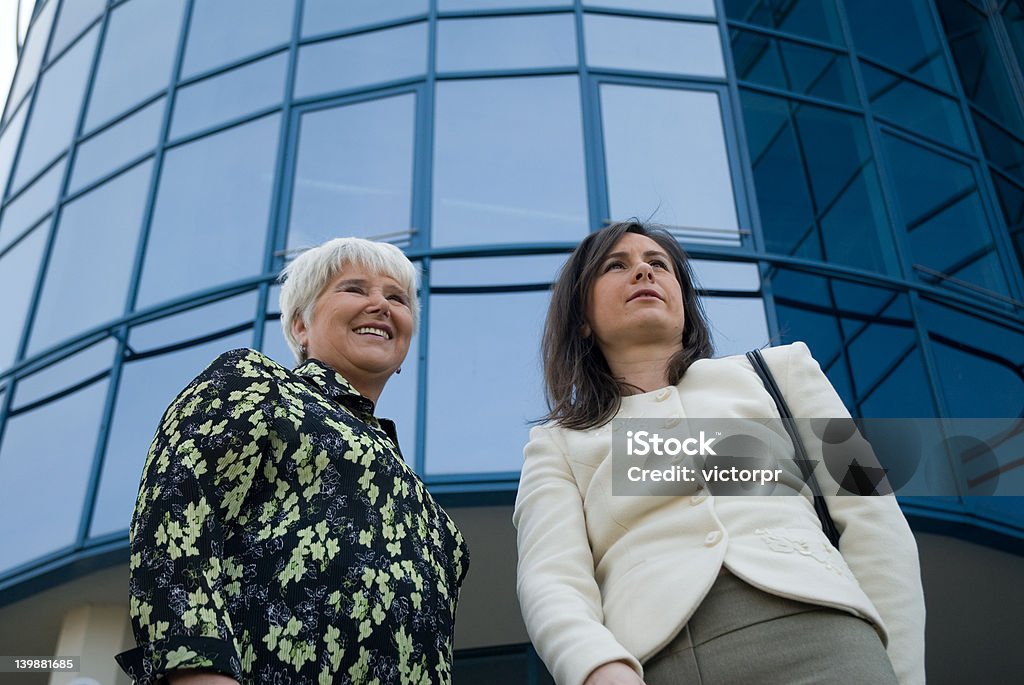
(65, 374)
(226, 96)
(721, 275)
(31, 55)
(32, 204)
(942, 212)
(818, 189)
(45, 461)
(906, 40)
(101, 227)
(666, 159)
(146, 389)
(327, 16)
(810, 18)
(486, 271)
(697, 8)
(222, 31)
(1011, 200)
(375, 57)
(56, 108)
(914, 107)
(672, 47)
(75, 15)
(229, 313)
(114, 147)
(979, 363)
(738, 324)
(9, 140)
(1002, 149)
(19, 268)
(136, 61)
(793, 66)
(354, 171)
(547, 40)
(508, 162)
(468, 360)
(212, 211)
(453, 5)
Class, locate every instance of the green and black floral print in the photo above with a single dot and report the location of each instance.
(279, 537)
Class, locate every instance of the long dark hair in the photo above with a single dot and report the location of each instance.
(581, 391)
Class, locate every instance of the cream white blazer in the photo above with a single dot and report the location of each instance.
(603, 578)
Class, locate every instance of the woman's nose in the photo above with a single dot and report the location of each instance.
(643, 270)
(380, 303)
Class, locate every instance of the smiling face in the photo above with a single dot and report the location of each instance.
(360, 326)
(636, 298)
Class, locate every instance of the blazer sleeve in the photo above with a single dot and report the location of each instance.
(875, 539)
(560, 599)
(200, 467)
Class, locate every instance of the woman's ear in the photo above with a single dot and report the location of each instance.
(299, 330)
(585, 330)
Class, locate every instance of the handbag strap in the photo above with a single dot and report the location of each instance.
(806, 467)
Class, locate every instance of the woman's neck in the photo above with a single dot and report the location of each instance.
(645, 367)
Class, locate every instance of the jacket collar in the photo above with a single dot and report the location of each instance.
(334, 385)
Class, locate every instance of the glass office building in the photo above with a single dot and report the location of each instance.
(845, 172)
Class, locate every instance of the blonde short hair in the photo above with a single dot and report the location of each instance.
(303, 279)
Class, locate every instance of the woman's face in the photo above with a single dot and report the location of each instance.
(361, 327)
(636, 298)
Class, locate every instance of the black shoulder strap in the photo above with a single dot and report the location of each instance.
(806, 468)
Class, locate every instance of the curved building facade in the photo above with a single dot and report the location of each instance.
(845, 172)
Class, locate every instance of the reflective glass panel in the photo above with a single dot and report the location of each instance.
(698, 8)
(353, 174)
(212, 209)
(137, 59)
(45, 461)
(1013, 20)
(979, 363)
(915, 108)
(818, 190)
(673, 47)
(31, 54)
(147, 388)
(194, 323)
(508, 162)
(810, 18)
(326, 16)
(906, 40)
(526, 270)
(1011, 201)
(66, 373)
(75, 15)
(222, 31)
(9, 140)
(1002, 149)
(666, 159)
(451, 5)
(375, 57)
(226, 96)
(864, 339)
(976, 54)
(738, 324)
(503, 344)
(722, 275)
(19, 268)
(547, 40)
(121, 143)
(792, 66)
(34, 201)
(55, 112)
(101, 227)
(942, 212)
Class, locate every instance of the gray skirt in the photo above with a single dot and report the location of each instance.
(740, 634)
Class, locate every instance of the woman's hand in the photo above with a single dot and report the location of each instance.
(190, 677)
(614, 673)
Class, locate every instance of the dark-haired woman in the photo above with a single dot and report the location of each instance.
(700, 588)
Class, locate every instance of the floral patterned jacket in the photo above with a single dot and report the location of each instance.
(279, 537)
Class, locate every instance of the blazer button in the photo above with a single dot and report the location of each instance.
(673, 422)
(697, 499)
(712, 539)
(663, 394)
